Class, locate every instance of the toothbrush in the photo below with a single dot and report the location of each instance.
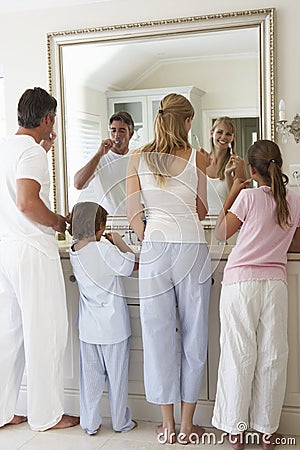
(202, 150)
(197, 140)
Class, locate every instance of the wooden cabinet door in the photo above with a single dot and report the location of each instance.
(214, 330)
(292, 395)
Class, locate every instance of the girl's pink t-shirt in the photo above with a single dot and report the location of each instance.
(261, 248)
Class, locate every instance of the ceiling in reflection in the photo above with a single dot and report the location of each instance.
(116, 66)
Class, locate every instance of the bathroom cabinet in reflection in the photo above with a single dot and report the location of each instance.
(143, 105)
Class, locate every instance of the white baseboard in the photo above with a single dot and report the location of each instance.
(142, 410)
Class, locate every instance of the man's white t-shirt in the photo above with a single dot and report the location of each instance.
(22, 157)
(108, 187)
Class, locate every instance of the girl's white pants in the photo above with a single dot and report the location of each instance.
(174, 275)
(33, 329)
(254, 353)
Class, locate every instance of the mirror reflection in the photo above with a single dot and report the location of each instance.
(218, 69)
(103, 178)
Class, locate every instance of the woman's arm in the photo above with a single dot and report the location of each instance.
(201, 200)
(295, 244)
(134, 206)
(227, 223)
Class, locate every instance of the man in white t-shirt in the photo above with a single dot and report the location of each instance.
(103, 178)
(33, 316)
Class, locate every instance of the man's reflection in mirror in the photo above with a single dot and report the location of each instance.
(102, 179)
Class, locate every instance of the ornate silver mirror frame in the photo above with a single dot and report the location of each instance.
(261, 19)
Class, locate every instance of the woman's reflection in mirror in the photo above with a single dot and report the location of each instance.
(225, 166)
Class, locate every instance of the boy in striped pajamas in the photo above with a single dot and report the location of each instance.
(99, 263)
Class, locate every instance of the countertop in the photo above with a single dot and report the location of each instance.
(218, 252)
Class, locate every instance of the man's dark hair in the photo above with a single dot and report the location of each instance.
(124, 117)
(33, 106)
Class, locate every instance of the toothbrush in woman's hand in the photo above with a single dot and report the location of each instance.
(203, 151)
(197, 140)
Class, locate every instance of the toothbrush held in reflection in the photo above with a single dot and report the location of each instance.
(200, 149)
(117, 141)
(197, 140)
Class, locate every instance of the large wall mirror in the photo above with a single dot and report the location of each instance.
(223, 62)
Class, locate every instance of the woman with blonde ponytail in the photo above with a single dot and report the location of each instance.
(169, 178)
(253, 304)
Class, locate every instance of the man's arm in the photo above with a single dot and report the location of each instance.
(29, 203)
(83, 177)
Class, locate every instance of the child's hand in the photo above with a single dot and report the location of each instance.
(239, 184)
(240, 168)
(114, 237)
(108, 236)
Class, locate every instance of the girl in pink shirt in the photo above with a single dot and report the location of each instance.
(253, 303)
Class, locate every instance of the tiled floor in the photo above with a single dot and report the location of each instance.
(20, 437)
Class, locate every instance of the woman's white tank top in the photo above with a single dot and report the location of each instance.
(171, 211)
(217, 192)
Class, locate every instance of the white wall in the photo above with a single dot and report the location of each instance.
(206, 75)
(23, 46)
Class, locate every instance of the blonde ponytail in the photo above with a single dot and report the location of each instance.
(170, 133)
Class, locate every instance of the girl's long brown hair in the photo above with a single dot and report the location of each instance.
(170, 133)
(265, 157)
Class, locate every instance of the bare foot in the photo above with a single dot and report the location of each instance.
(165, 436)
(66, 422)
(270, 441)
(237, 441)
(17, 420)
(190, 436)
(135, 425)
